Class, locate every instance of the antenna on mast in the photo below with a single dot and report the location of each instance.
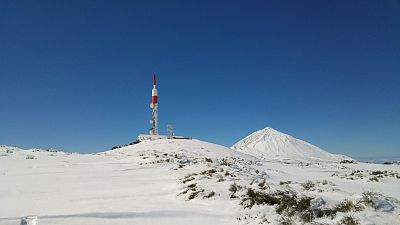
(154, 107)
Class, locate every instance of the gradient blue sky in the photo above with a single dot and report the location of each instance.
(76, 75)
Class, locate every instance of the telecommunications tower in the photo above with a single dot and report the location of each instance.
(154, 108)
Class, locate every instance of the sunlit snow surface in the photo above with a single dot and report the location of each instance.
(145, 184)
(272, 144)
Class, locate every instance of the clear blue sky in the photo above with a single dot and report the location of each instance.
(76, 75)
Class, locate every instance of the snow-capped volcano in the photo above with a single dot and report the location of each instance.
(274, 145)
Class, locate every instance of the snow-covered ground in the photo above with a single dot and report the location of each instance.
(189, 182)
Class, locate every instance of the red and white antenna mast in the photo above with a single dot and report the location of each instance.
(154, 107)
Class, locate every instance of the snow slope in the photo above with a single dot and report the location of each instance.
(179, 182)
(130, 185)
(271, 144)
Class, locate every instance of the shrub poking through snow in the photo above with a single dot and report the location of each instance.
(285, 221)
(209, 172)
(286, 203)
(194, 194)
(234, 188)
(291, 206)
(258, 198)
(383, 174)
(319, 213)
(224, 162)
(371, 175)
(285, 182)
(348, 161)
(228, 174)
(188, 179)
(193, 191)
(378, 172)
(377, 201)
(374, 179)
(192, 185)
(209, 195)
(209, 160)
(349, 220)
(348, 206)
(324, 182)
(345, 206)
(303, 208)
(308, 185)
(367, 198)
(184, 191)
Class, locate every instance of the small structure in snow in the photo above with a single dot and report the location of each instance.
(143, 137)
(29, 220)
(150, 137)
(170, 131)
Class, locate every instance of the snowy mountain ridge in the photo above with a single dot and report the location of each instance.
(4, 148)
(270, 144)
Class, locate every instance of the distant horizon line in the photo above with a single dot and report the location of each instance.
(380, 158)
